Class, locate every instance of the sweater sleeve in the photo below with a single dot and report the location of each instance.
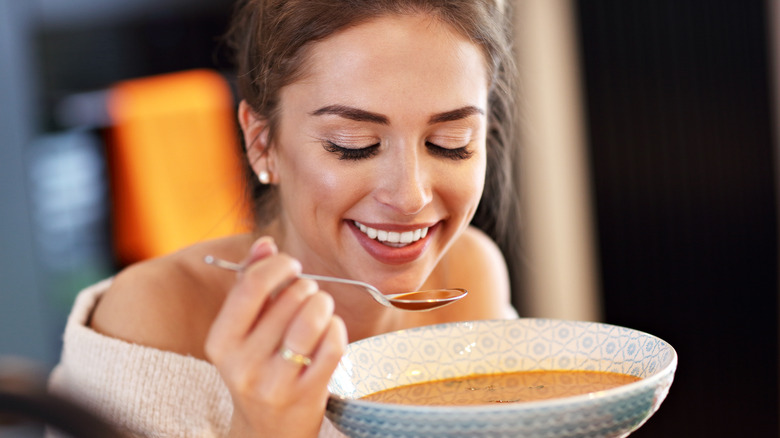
(144, 391)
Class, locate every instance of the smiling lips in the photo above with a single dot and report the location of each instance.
(393, 238)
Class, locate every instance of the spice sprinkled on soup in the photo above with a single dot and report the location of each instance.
(502, 388)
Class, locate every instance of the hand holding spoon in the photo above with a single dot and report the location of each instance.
(412, 301)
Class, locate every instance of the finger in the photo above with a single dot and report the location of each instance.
(306, 330)
(246, 299)
(266, 336)
(312, 315)
(260, 249)
(326, 357)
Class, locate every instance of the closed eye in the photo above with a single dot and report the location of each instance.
(351, 154)
(461, 153)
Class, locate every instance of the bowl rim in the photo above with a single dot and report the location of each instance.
(650, 381)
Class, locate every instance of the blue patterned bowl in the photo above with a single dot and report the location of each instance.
(478, 347)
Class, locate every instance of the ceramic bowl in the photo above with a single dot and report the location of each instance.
(479, 347)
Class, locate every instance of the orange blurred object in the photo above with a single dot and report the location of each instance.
(176, 173)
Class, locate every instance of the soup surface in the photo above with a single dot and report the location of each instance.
(502, 388)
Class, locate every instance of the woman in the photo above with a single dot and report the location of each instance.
(372, 129)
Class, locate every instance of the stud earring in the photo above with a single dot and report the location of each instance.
(264, 176)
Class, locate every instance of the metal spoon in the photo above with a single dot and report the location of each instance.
(413, 301)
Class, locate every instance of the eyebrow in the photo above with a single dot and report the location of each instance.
(456, 114)
(360, 115)
(351, 113)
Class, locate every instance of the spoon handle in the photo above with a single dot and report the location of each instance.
(211, 260)
(336, 280)
(238, 267)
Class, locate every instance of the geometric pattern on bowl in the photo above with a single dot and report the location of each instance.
(483, 347)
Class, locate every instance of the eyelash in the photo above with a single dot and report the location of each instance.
(351, 154)
(460, 153)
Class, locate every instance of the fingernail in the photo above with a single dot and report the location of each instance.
(263, 247)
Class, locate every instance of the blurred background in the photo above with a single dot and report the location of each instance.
(664, 114)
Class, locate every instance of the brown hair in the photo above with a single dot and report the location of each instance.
(268, 38)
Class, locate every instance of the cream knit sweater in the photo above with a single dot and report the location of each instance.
(144, 391)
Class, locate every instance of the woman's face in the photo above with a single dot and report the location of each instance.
(380, 151)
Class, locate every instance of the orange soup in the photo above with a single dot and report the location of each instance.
(502, 388)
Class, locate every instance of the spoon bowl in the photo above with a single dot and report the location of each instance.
(416, 301)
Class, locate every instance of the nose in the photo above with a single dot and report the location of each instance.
(404, 183)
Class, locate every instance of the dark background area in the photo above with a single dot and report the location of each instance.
(56, 61)
(153, 43)
(683, 165)
(680, 122)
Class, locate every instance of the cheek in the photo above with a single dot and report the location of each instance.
(314, 185)
(465, 187)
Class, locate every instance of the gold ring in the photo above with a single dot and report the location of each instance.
(296, 358)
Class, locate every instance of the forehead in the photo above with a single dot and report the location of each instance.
(413, 55)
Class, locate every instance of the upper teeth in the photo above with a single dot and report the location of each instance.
(393, 236)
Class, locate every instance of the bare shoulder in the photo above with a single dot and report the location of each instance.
(475, 246)
(166, 303)
(476, 263)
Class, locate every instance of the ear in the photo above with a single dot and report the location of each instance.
(255, 133)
